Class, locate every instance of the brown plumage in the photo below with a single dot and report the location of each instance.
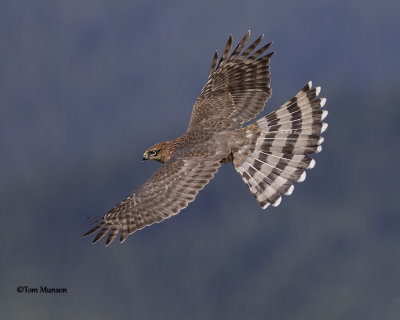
(268, 154)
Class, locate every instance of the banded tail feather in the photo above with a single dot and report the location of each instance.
(275, 150)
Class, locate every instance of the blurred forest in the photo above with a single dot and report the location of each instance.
(86, 86)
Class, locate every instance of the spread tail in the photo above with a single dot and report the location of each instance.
(274, 151)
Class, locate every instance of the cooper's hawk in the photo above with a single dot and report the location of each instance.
(269, 154)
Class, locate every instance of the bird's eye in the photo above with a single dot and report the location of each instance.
(153, 152)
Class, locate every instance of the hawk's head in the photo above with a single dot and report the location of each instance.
(159, 152)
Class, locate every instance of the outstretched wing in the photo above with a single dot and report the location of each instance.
(237, 88)
(168, 191)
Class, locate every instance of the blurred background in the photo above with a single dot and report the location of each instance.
(86, 86)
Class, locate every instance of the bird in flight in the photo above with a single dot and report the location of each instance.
(269, 154)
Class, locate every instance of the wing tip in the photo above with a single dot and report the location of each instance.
(86, 234)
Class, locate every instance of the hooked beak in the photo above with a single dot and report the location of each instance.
(145, 157)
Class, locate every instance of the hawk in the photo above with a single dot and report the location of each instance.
(269, 154)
